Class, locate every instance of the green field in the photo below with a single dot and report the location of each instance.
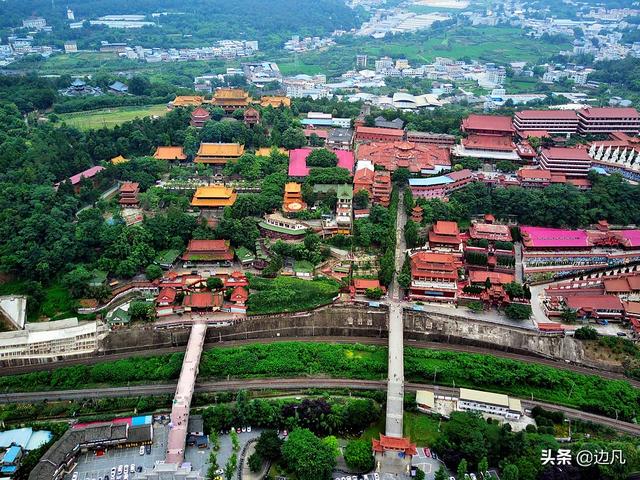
(422, 429)
(110, 117)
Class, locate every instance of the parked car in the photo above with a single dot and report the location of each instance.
(427, 452)
(248, 429)
(141, 450)
(132, 467)
(74, 476)
(244, 429)
(147, 449)
(621, 334)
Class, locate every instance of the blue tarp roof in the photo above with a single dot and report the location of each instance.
(25, 438)
(11, 455)
(11, 469)
(38, 439)
(427, 182)
(142, 420)
(18, 436)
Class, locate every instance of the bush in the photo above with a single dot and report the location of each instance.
(322, 158)
(255, 462)
(358, 456)
(517, 311)
(586, 333)
(373, 293)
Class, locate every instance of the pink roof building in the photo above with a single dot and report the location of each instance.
(542, 237)
(88, 173)
(298, 161)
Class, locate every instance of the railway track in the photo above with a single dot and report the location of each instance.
(294, 384)
(345, 340)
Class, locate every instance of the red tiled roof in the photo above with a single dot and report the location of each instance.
(593, 302)
(414, 156)
(167, 295)
(364, 175)
(609, 112)
(365, 283)
(200, 112)
(319, 132)
(501, 123)
(531, 173)
(129, 187)
(496, 278)
(207, 245)
(633, 308)
(239, 295)
(547, 115)
(561, 153)
(445, 227)
(463, 174)
(203, 300)
(616, 285)
(489, 142)
(396, 132)
(392, 443)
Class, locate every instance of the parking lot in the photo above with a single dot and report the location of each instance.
(92, 467)
(427, 464)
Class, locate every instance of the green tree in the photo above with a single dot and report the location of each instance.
(231, 466)
(518, 311)
(322, 158)
(307, 457)
(332, 442)
(214, 283)
(373, 293)
(411, 234)
(213, 465)
(293, 138)
(510, 472)
(361, 199)
(462, 468)
(153, 272)
(441, 474)
(141, 311)
(269, 445)
(586, 333)
(77, 281)
(358, 456)
(483, 465)
(255, 462)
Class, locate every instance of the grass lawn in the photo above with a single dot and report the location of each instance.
(374, 430)
(289, 294)
(110, 117)
(421, 428)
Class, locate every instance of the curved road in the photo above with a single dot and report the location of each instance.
(294, 384)
(348, 340)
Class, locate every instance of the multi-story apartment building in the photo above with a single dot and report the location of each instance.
(434, 277)
(607, 120)
(571, 162)
(550, 121)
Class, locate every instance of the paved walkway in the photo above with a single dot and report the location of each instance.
(395, 385)
(176, 442)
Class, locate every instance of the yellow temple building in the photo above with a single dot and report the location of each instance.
(218, 153)
(170, 153)
(275, 101)
(292, 201)
(214, 196)
(230, 99)
(186, 101)
(266, 151)
(118, 160)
